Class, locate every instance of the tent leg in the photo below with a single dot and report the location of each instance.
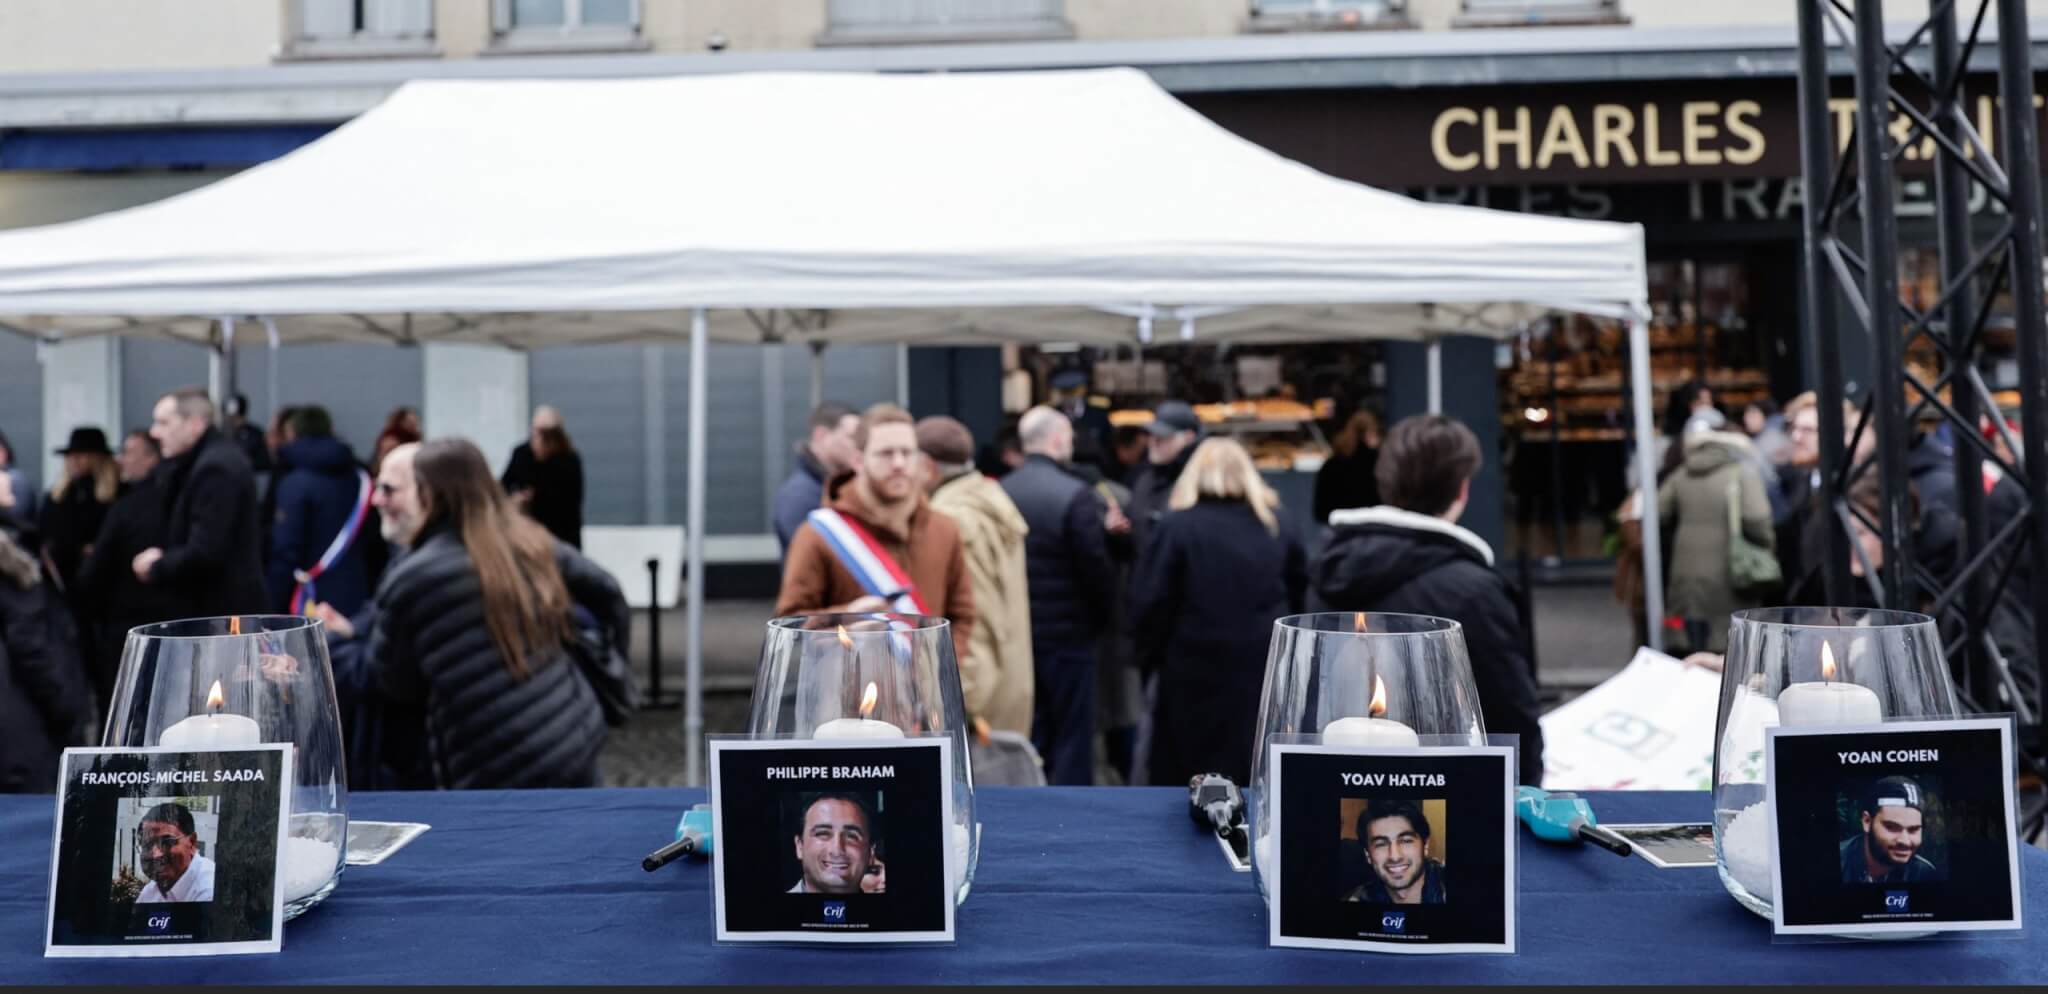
(817, 374)
(225, 383)
(903, 376)
(270, 335)
(693, 673)
(1646, 474)
(1436, 376)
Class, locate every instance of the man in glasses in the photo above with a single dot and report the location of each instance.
(170, 858)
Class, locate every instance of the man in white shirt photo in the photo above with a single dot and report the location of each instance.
(170, 858)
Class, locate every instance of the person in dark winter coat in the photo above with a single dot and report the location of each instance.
(1217, 572)
(43, 703)
(78, 503)
(469, 681)
(210, 559)
(1067, 562)
(1174, 429)
(317, 500)
(1346, 479)
(1410, 557)
(826, 453)
(546, 477)
(117, 600)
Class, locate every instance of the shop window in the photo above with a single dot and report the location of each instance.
(565, 25)
(883, 22)
(1328, 15)
(1512, 13)
(360, 28)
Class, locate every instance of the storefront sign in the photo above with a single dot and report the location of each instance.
(1670, 131)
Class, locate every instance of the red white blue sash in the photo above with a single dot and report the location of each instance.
(303, 595)
(871, 565)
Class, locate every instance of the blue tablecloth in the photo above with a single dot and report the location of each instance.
(1074, 886)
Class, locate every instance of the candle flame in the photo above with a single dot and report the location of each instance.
(1358, 622)
(867, 700)
(845, 641)
(1827, 662)
(1379, 697)
(215, 700)
(235, 625)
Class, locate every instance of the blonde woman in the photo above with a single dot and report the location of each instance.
(78, 504)
(1215, 573)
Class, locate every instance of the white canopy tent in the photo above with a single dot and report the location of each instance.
(1083, 206)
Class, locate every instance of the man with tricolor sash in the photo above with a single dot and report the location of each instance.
(876, 544)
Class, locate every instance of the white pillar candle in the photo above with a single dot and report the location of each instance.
(214, 730)
(857, 728)
(1828, 702)
(1368, 732)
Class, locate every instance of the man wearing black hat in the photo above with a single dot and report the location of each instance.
(1887, 850)
(1174, 431)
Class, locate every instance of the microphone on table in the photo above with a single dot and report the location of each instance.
(693, 838)
(1564, 817)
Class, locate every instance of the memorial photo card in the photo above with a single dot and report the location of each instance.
(1408, 851)
(1901, 827)
(834, 841)
(164, 852)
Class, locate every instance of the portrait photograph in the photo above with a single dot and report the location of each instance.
(1400, 845)
(169, 853)
(1906, 827)
(1363, 854)
(833, 843)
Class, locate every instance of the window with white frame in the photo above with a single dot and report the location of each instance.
(352, 20)
(565, 17)
(886, 21)
(1498, 13)
(1328, 15)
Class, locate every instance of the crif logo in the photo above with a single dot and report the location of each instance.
(1394, 921)
(1895, 900)
(159, 923)
(835, 911)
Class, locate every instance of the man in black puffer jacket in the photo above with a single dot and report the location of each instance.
(467, 681)
(1409, 556)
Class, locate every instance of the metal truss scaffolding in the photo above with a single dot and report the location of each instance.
(1989, 586)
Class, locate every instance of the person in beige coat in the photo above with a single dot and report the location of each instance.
(1694, 503)
(995, 669)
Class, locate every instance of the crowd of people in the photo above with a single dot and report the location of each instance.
(459, 611)
(1758, 483)
(1112, 592)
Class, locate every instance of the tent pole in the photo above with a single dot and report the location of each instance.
(817, 374)
(693, 674)
(229, 383)
(270, 334)
(903, 375)
(1436, 376)
(1646, 476)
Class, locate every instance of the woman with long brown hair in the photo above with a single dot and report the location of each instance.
(468, 652)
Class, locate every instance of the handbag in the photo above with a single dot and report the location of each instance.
(618, 694)
(1752, 569)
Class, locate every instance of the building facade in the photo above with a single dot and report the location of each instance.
(1677, 115)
